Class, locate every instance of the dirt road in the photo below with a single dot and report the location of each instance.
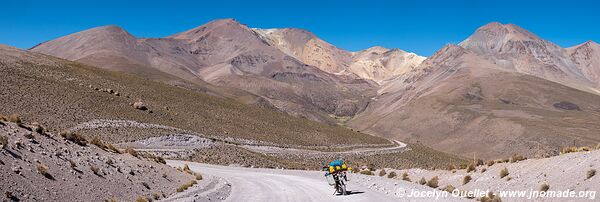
(253, 184)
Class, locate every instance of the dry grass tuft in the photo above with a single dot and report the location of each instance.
(185, 186)
(470, 167)
(74, 137)
(516, 158)
(382, 172)
(392, 174)
(198, 176)
(466, 179)
(567, 150)
(504, 173)
(95, 170)
(405, 176)
(448, 188)
(544, 187)
(490, 163)
(112, 148)
(3, 142)
(43, 169)
(491, 197)
(98, 142)
(422, 181)
(366, 172)
(433, 182)
(141, 199)
(582, 149)
(15, 118)
(131, 152)
(590, 173)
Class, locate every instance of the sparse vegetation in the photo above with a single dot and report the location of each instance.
(382, 173)
(433, 182)
(590, 173)
(504, 173)
(544, 187)
(74, 137)
(72, 164)
(491, 197)
(185, 186)
(43, 169)
(392, 174)
(466, 179)
(470, 167)
(405, 176)
(366, 172)
(141, 199)
(422, 181)
(198, 176)
(448, 188)
(15, 118)
(3, 142)
(95, 170)
(112, 148)
(131, 152)
(96, 141)
(516, 158)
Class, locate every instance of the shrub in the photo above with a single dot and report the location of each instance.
(433, 182)
(186, 168)
(72, 164)
(483, 170)
(155, 196)
(581, 149)
(43, 169)
(95, 170)
(422, 181)
(198, 176)
(567, 150)
(466, 179)
(131, 152)
(516, 158)
(504, 173)
(392, 174)
(96, 141)
(590, 173)
(470, 167)
(146, 185)
(371, 167)
(366, 172)
(544, 187)
(598, 146)
(185, 186)
(490, 163)
(405, 176)
(15, 118)
(29, 135)
(113, 148)
(382, 172)
(75, 138)
(38, 128)
(491, 197)
(448, 188)
(3, 141)
(141, 199)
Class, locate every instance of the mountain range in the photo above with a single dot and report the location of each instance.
(502, 90)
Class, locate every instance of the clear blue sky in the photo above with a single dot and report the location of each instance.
(416, 26)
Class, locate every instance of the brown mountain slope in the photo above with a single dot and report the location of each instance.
(587, 57)
(63, 94)
(460, 103)
(517, 49)
(223, 53)
(376, 63)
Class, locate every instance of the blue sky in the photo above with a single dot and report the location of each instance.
(416, 26)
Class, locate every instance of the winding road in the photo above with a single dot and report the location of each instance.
(256, 184)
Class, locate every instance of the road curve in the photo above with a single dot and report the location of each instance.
(252, 184)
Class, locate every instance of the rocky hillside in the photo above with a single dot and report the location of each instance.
(65, 94)
(37, 165)
(461, 103)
